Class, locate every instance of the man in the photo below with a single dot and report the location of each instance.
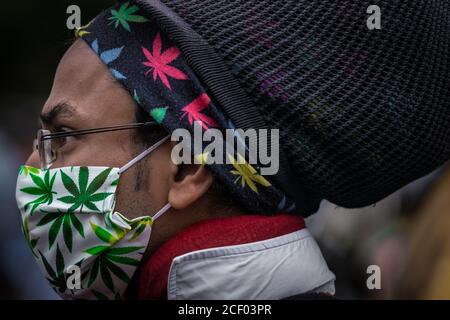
(103, 170)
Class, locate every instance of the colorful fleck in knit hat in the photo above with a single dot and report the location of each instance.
(361, 112)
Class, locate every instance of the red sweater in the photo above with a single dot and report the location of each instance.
(152, 280)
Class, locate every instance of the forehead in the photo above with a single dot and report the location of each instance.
(84, 82)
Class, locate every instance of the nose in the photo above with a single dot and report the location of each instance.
(33, 160)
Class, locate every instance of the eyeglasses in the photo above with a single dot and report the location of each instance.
(47, 143)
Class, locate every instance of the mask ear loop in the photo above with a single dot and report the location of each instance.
(142, 155)
(161, 211)
(139, 158)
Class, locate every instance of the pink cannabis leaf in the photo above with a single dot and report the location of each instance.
(193, 111)
(159, 62)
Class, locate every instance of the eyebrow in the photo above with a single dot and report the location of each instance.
(62, 109)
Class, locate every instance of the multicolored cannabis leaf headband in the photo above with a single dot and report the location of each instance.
(145, 61)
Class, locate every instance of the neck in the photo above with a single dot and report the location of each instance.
(150, 282)
(166, 227)
(174, 221)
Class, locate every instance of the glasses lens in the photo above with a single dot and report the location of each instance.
(46, 154)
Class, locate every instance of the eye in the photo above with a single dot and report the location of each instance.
(59, 142)
(67, 140)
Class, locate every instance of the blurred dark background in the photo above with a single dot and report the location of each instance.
(34, 38)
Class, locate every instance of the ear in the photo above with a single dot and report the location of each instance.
(189, 184)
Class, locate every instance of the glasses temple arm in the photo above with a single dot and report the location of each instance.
(97, 130)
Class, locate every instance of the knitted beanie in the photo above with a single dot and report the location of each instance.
(361, 112)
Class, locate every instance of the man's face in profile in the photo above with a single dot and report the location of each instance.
(84, 96)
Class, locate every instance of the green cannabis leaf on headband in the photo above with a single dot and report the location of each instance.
(125, 15)
(84, 195)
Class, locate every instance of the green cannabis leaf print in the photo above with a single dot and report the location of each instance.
(61, 219)
(139, 227)
(109, 257)
(126, 15)
(84, 195)
(43, 189)
(27, 169)
(26, 231)
(57, 278)
(101, 296)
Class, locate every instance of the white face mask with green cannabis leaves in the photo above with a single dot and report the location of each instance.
(85, 248)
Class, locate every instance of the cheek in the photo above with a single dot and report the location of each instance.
(153, 179)
(104, 150)
(130, 201)
(140, 191)
(159, 183)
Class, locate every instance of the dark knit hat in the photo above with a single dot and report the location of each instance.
(361, 112)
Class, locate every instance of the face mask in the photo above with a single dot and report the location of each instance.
(85, 248)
